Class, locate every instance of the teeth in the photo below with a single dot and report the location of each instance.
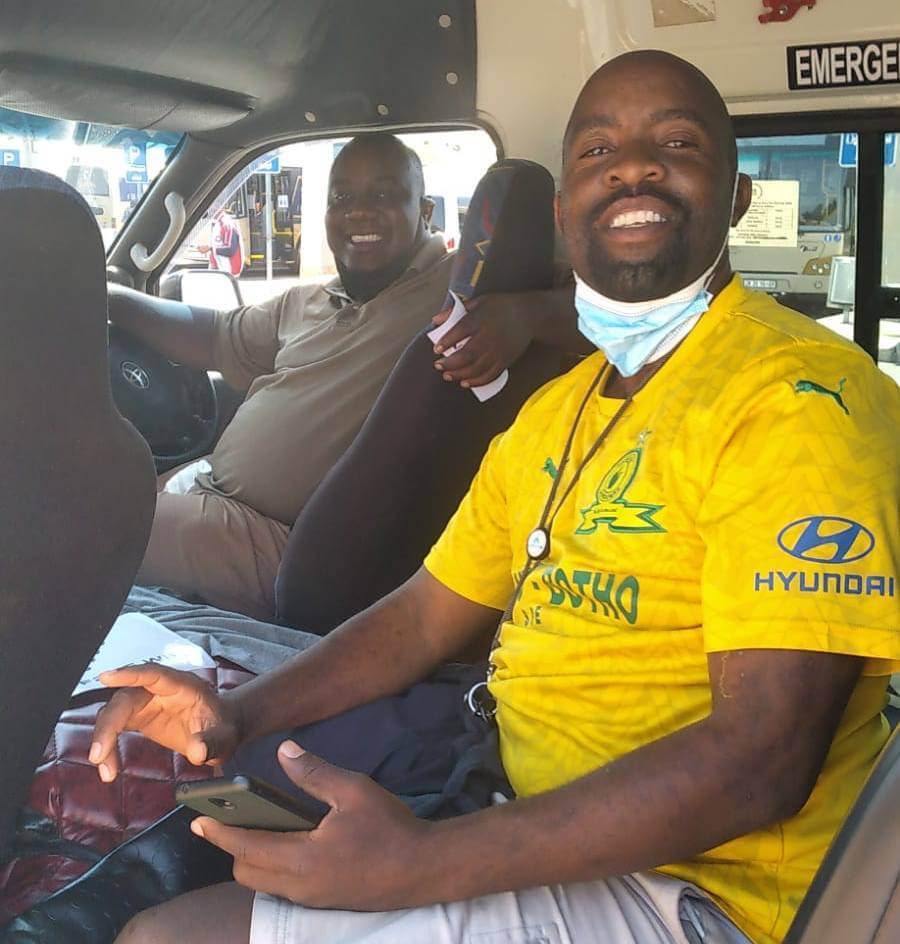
(367, 238)
(636, 218)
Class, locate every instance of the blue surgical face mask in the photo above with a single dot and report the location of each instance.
(632, 334)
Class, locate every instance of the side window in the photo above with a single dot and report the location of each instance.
(797, 240)
(276, 206)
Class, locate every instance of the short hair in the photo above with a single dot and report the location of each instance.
(385, 141)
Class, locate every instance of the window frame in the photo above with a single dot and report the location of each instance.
(230, 170)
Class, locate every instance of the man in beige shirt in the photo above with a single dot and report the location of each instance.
(312, 362)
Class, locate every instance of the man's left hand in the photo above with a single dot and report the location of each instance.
(360, 857)
(496, 331)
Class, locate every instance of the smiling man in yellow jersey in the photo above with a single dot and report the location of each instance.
(694, 535)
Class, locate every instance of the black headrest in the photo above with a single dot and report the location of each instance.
(77, 481)
(52, 269)
(27, 178)
(372, 519)
(506, 243)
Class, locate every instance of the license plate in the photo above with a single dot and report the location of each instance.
(766, 285)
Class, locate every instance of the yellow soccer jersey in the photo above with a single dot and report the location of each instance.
(747, 498)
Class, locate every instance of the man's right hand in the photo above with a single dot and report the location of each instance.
(176, 709)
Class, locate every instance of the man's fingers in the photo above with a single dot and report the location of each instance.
(258, 848)
(317, 777)
(485, 377)
(442, 316)
(464, 357)
(157, 679)
(208, 746)
(281, 884)
(465, 328)
(478, 367)
(112, 719)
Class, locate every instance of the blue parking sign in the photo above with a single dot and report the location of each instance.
(135, 162)
(849, 155)
(10, 157)
(267, 165)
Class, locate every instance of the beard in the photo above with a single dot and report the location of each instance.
(639, 281)
(648, 278)
(363, 286)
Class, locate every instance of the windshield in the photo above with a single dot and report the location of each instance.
(110, 167)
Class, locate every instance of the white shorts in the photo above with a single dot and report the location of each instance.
(644, 908)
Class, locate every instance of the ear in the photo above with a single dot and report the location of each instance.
(427, 206)
(743, 198)
(557, 213)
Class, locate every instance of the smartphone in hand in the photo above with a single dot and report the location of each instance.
(250, 803)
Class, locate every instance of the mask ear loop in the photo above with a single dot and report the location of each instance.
(711, 270)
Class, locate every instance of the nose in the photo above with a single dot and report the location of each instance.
(361, 206)
(632, 164)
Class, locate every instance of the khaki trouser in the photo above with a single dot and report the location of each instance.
(644, 908)
(215, 548)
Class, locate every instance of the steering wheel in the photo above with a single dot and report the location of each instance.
(173, 407)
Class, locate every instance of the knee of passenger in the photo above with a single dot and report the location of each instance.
(148, 927)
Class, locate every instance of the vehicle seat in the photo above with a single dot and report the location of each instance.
(76, 480)
(855, 896)
(373, 518)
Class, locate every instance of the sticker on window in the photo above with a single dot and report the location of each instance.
(681, 12)
(772, 219)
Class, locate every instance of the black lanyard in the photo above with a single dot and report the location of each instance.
(537, 547)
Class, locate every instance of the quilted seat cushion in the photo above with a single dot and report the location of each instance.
(97, 816)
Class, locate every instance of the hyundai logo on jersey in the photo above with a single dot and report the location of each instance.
(822, 539)
(825, 539)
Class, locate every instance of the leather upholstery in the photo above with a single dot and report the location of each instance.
(160, 863)
(67, 791)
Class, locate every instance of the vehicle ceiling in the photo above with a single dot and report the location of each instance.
(241, 76)
(234, 72)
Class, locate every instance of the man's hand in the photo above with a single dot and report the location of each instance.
(496, 331)
(175, 709)
(360, 857)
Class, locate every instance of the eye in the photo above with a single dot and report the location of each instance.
(598, 150)
(678, 142)
(339, 197)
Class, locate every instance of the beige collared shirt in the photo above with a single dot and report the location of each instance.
(312, 361)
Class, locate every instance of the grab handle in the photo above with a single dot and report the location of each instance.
(147, 261)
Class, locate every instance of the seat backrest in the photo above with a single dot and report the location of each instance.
(373, 518)
(76, 481)
(855, 897)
